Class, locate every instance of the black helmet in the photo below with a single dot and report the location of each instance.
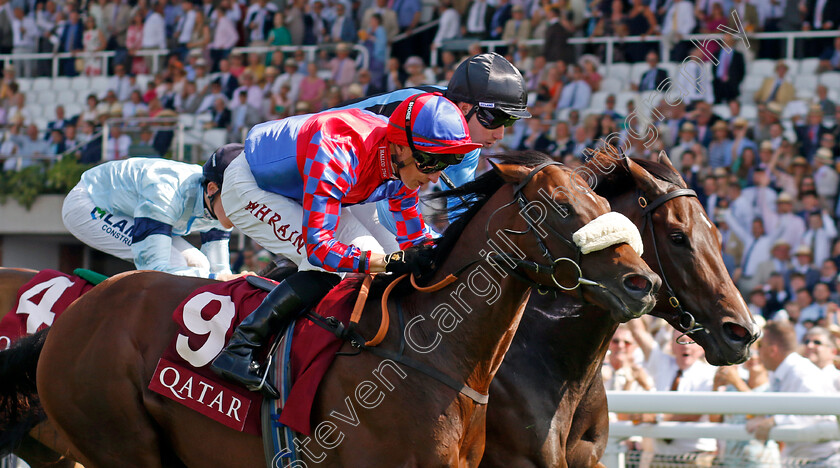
(490, 81)
(214, 168)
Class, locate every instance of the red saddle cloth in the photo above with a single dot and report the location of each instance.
(39, 302)
(206, 320)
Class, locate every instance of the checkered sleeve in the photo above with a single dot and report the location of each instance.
(327, 177)
(411, 229)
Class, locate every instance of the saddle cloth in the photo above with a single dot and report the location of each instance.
(39, 302)
(206, 320)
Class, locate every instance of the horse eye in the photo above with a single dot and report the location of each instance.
(679, 238)
(565, 209)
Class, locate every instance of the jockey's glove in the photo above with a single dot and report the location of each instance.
(418, 259)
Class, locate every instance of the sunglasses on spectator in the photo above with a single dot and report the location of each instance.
(492, 119)
(816, 342)
(620, 342)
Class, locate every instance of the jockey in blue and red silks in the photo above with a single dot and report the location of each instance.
(290, 188)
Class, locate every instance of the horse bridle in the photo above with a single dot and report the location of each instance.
(504, 260)
(685, 320)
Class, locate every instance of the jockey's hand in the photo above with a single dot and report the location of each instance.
(418, 260)
(233, 276)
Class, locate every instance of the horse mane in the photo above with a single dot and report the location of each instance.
(473, 195)
(620, 181)
(20, 408)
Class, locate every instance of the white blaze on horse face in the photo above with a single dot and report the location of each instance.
(607, 230)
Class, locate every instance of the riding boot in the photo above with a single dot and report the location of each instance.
(278, 309)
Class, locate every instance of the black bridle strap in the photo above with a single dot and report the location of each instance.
(685, 320)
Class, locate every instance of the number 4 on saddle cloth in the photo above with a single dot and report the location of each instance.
(206, 320)
(41, 300)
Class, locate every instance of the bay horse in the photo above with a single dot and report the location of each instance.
(96, 362)
(41, 447)
(547, 405)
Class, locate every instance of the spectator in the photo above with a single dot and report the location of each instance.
(60, 122)
(57, 145)
(449, 25)
(747, 14)
(315, 25)
(728, 72)
(259, 20)
(71, 139)
(243, 116)
(135, 105)
(416, 70)
(291, 77)
(32, 145)
(591, 75)
(782, 223)
(185, 28)
(777, 294)
(389, 18)
(621, 371)
(518, 28)
(281, 103)
(563, 144)
(823, 101)
(478, 19)
(6, 31)
(220, 115)
(225, 37)
(71, 41)
(342, 67)
(252, 91)
(693, 80)
(679, 22)
(376, 42)
(312, 89)
(134, 42)
(210, 98)
(189, 102)
(294, 20)
(200, 36)
(118, 144)
(640, 21)
(577, 93)
(368, 88)
(810, 135)
(120, 83)
(91, 152)
(226, 79)
(757, 245)
(279, 35)
(154, 30)
(682, 371)
(790, 372)
(778, 89)
(559, 29)
(653, 76)
(109, 106)
(819, 347)
(830, 58)
(343, 28)
(825, 176)
(819, 236)
(720, 148)
(117, 18)
(501, 15)
(815, 311)
(25, 34)
(10, 149)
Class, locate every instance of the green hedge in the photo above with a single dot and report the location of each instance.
(25, 185)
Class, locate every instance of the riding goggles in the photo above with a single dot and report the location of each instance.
(492, 119)
(428, 163)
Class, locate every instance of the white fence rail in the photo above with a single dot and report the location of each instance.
(725, 403)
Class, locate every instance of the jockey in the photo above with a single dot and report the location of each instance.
(139, 210)
(290, 191)
(491, 94)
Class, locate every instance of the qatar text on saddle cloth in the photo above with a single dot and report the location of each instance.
(206, 320)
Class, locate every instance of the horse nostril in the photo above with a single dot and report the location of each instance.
(637, 284)
(736, 332)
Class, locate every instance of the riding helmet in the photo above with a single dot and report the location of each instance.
(489, 80)
(214, 168)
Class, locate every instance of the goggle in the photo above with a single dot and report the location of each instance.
(492, 119)
(428, 163)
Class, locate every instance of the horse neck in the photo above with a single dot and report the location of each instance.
(562, 342)
(490, 317)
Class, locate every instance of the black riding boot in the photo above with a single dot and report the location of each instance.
(280, 306)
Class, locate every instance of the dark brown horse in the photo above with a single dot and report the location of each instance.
(97, 361)
(41, 447)
(547, 403)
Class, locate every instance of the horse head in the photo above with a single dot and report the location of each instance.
(684, 247)
(600, 262)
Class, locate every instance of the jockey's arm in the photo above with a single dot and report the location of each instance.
(215, 245)
(152, 249)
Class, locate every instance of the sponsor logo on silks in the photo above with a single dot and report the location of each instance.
(119, 230)
(281, 231)
(491, 105)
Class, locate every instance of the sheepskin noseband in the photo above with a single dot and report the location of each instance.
(606, 230)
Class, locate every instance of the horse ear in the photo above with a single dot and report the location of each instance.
(664, 159)
(510, 172)
(644, 180)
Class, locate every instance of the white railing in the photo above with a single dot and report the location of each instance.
(157, 54)
(665, 42)
(725, 403)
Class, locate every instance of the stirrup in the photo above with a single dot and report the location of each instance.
(264, 387)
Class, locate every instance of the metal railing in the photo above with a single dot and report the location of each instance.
(665, 42)
(724, 403)
(157, 54)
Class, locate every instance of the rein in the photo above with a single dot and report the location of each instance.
(538, 268)
(685, 320)
(348, 333)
